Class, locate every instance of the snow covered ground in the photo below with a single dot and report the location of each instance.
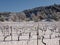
(25, 33)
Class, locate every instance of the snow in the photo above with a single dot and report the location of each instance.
(45, 29)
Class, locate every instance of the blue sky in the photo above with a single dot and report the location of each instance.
(20, 5)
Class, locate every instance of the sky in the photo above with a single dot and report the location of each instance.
(20, 5)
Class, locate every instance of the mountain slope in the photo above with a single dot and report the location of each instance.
(46, 13)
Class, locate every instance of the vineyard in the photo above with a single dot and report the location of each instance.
(29, 33)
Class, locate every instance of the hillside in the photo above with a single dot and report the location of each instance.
(47, 13)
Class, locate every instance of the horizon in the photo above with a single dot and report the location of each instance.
(21, 5)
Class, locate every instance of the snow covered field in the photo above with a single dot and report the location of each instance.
(28, 33)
